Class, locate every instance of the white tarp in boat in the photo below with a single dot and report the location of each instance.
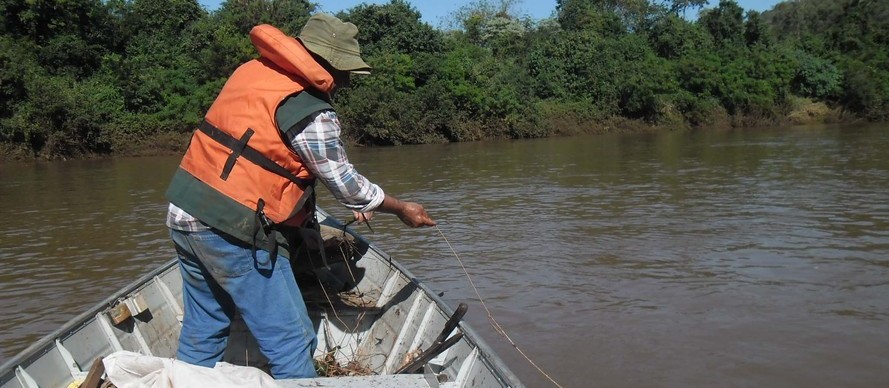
(134, 370)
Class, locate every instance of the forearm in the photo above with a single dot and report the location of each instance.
(319, 146)
(391, 205)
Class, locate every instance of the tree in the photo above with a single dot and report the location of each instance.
(590, 15)
(395, 26)
(70, 37)
(679, 7)
(866, 90)
(725, 23)
(41, 21)
(843, 51)
(287, 15)
(673, 37)
(493, 25)
(816, 77)
(756, 31)
(632, 15)
(17, 64)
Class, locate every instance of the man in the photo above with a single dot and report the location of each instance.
(248, 177)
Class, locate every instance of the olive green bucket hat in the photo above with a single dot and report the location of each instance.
(334, 40)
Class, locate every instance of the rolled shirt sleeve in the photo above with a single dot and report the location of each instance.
(322, 150)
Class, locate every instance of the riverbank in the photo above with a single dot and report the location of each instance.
(552, 124)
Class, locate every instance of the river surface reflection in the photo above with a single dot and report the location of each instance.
(740, 258)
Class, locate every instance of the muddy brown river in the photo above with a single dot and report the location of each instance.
(754, 258)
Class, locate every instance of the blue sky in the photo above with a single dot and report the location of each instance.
(435, 12)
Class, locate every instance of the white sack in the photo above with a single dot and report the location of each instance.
(133, 370)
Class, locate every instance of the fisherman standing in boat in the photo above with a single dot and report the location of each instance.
(247, 181)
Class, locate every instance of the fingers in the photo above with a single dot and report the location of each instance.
(419, 222)
(415, 216)
(362, 217)
(425, 220)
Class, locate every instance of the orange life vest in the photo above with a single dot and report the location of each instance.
(239, 151)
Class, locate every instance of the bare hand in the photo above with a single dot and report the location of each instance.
(414, 215)
(362, 217)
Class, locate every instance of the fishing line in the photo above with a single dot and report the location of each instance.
(499, 329)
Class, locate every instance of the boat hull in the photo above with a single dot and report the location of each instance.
(380, 320)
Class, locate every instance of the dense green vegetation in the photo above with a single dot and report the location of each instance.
(125, 76)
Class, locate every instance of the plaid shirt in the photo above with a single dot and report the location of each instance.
(322, 151)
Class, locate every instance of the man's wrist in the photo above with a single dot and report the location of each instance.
(391, 205)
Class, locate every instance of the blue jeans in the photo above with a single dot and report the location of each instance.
(220, 276)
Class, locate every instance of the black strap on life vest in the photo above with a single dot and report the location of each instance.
(240, 148)
(236, 152)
